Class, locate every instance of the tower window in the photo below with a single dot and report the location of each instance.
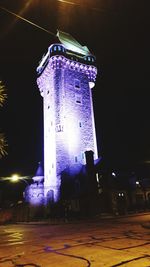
(78, 99)
(76, 159)
(59, 128)
(48, 92)
(82, 155)
(80, 124)
(77, 84)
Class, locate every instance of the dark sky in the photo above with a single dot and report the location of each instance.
(117, 33)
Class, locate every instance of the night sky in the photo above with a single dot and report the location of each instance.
(117, 33)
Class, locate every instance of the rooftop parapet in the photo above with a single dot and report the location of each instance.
(68, 47)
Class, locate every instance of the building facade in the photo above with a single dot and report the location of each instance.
(66, 75)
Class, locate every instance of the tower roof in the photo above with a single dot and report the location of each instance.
(39, 171)
(71, 44)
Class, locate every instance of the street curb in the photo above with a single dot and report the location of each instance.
(96, 218)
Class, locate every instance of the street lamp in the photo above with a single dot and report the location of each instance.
(16, 178)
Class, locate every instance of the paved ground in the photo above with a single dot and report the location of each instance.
(122, 241)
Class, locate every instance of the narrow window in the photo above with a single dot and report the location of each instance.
(77, 84)
(78, 99)
(76, 159)
(59, 128)
(82, 155)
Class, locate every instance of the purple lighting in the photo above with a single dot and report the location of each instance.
(65, 79)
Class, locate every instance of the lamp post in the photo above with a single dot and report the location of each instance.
(16, 178)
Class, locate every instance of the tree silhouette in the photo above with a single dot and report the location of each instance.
(3, 143)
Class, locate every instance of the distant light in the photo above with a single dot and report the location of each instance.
(121, 194)
(20, 202)
(137, 182)
(113, 174)
(97, 178)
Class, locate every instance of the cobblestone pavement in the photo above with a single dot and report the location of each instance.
(103, 242)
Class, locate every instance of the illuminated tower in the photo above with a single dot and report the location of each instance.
(66, 75)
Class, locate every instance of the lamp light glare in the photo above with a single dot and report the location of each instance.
(15, 178)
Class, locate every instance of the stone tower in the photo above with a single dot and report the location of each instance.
(66, 75)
